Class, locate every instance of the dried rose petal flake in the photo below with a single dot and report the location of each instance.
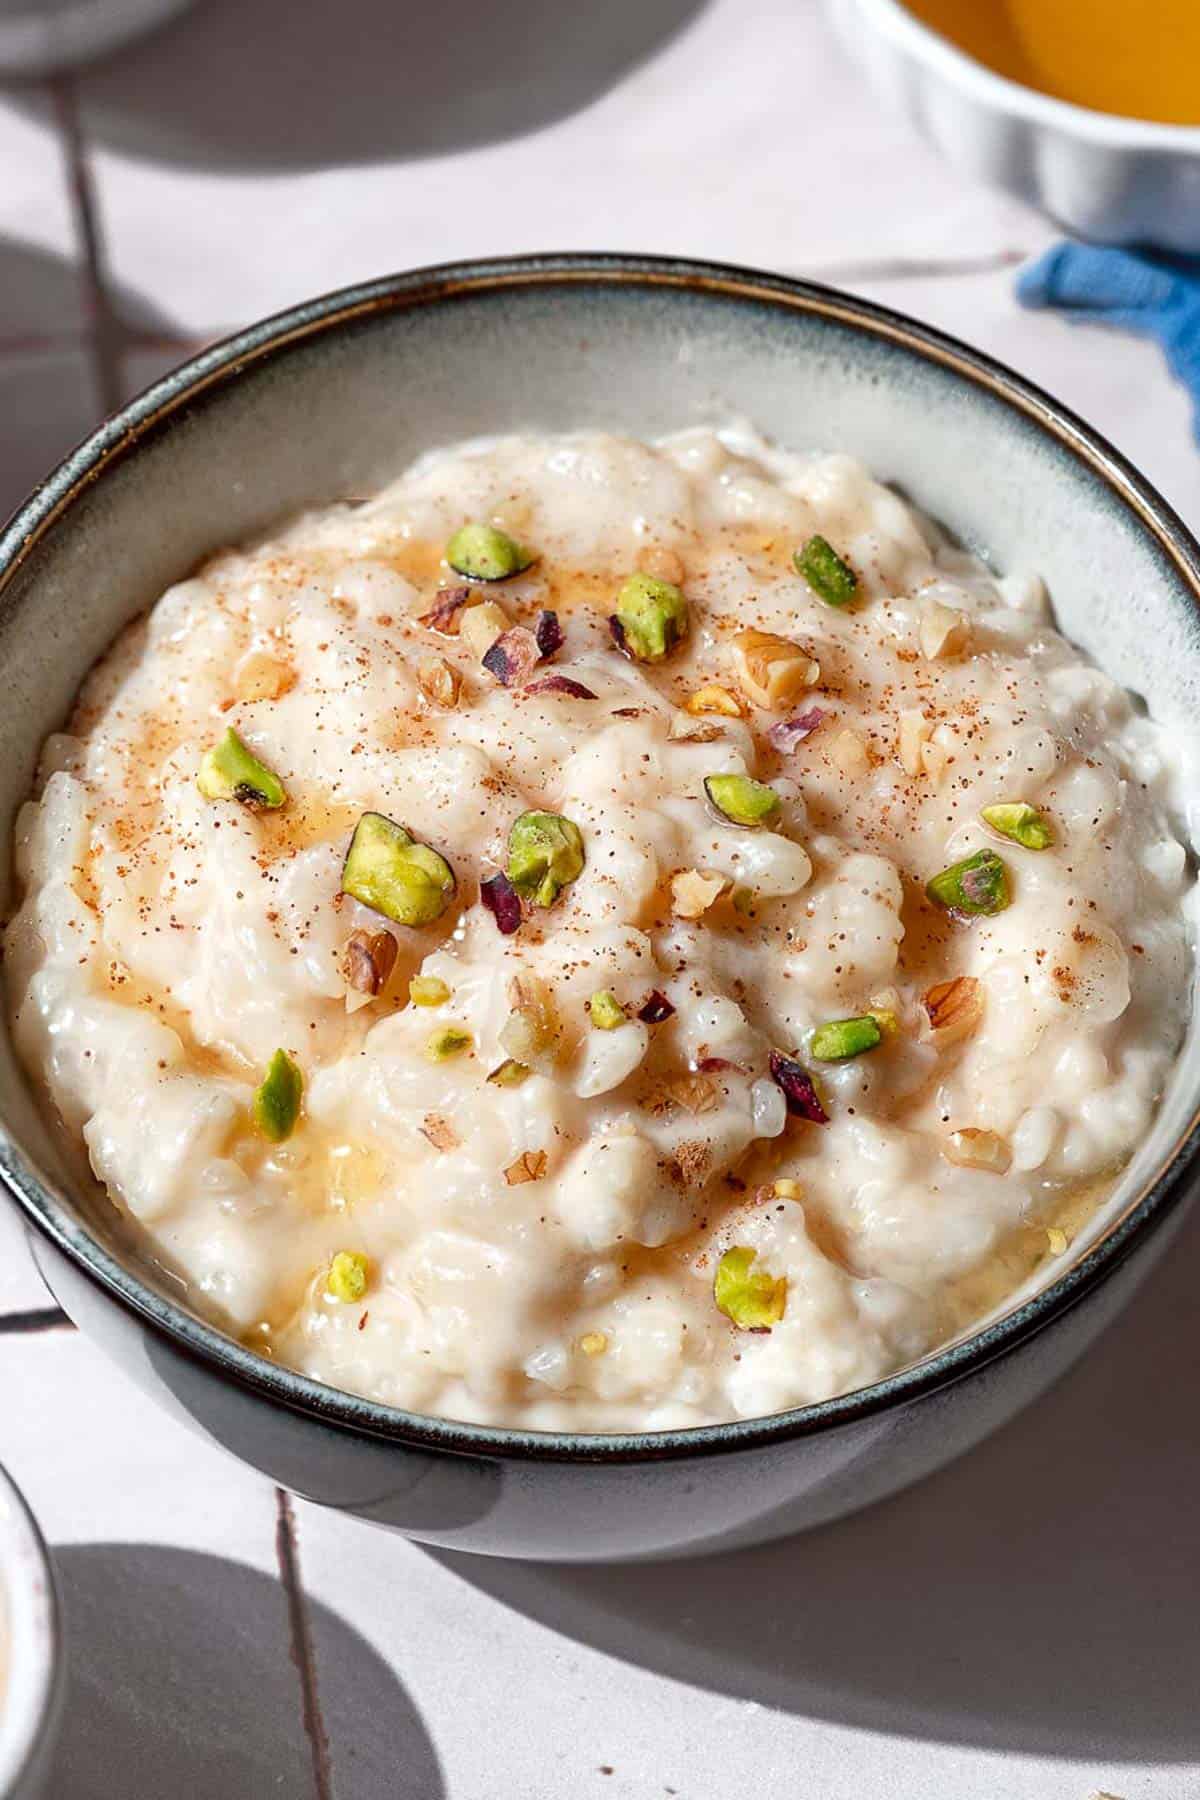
(789, 732)
(798, 1090)
(503, 902)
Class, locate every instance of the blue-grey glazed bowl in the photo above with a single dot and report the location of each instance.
(329, 400)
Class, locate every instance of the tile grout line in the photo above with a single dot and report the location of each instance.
(287, 1554)
(43, 1318)
(103, 326)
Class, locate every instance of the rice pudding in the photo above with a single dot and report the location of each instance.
(602, 935)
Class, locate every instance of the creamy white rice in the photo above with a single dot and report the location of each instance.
(544, 1254)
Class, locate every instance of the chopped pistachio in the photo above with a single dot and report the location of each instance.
(447, 1041)
(976, 885)
(511, 1073)
(829, 577)
(652, 616)
(741, 799)
(545, 854)
(485, 553)
(749, 1296)
(231, 771)
(594, 1343)
(347, 1277)
(387, 870)
(1024, 824)
(428, 990)
(277, 1099)
(842, 1038)
(743, 899)
(437, 1128)
(713, 698)
(605, 1010)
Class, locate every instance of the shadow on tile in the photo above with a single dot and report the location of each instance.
(181, 1683)
(49, 396)
(263, 84)
(1040, 1595)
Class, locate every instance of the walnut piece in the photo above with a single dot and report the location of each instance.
(695, 1093)
(439, 681)
(368, 960)
(662, 563)
(914, 733)
(972, 1148)
(954, 1009)
(440, 1132)
(849, 753)
(529, 1166)
(712, 698)
(260, 676)
(943, 630)
(772, 671)
(693, 891)
(480, 625)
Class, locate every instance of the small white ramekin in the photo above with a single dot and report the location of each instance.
(1119, 181)
(30, 1651)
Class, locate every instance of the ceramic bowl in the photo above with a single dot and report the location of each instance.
(329, 400)
(1120, 181)
(30, 1651)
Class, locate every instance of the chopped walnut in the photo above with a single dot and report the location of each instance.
(687, 730)
(368, 960)
(440, 1132)
(954, 1009)
(532, 1033)
(972, 1148)
(715, 699)
(439, 681)
(934, 759)
(480, 625)
(262, 677)
(773, 671)
(529, 1166)
(849, 753)
(663, 564)
(693, 891)
(914, 733)
(943, 631)
(695, 1093)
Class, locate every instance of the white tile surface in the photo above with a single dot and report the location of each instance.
(762, 144)
(1021, 1627)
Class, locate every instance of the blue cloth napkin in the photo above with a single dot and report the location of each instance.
(1157, 295)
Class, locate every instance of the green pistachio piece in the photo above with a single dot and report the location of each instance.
(389, 871)
(830, 578)
(428, 990)
(277, 1100)
(347, 1277)
(230, 771)
(450, 1040)
(741, 799)
(652, 617)
(749, 1296)
(605, 1010)
(840, 1038)
(485, 553)
(545, 853)
(977, 884)
(1024, 824)
(510, 1073)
